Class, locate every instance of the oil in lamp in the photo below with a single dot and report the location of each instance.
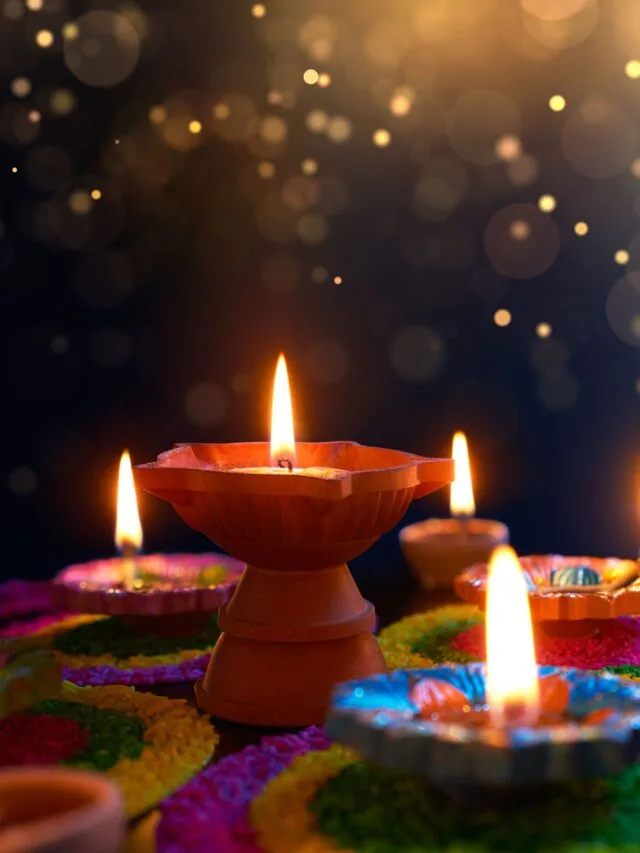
(297, 623)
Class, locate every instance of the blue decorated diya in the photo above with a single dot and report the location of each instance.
(435, 722)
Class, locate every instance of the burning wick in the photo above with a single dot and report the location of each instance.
(285, 462)
(128, 527)
(513, 691)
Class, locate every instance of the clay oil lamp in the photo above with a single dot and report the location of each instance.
(54, 809)
(49, 809)
(437, 549)
(494, 729)
(568, 596)
(159, 593)
(295, 512)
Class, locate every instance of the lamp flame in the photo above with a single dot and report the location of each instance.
(462, 502)
(513, 692)
(128, 528)
(283, 443)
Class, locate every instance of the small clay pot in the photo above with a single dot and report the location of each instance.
(59, 810)
(438, 549)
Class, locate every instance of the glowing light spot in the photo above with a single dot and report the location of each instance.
(557, 103)
(581, 228)
(547, 203)
(273, 129)
(635, 168)
(519, 229)
(309, 166)
(317, 121)
(21, 87)
(339, 129)
(96, 195)
(195, 127)
(274, 97)
(502, 317)
(258, 10)
(34, 5)
(157, 115)
(266, 170)
(34, 116)
(508, 148)
(80, 202)
(632, 69)
(14, 169)
(324, 80)
(44, 38)
(311, 76)
(621, 257)
(221, 111)
(402, 101)
(337, 279)
(62, 102)
(381, 138)
(543, 330)
(70, 31)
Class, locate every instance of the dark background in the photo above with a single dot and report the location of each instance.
(155, 313)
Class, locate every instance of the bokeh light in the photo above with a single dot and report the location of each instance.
(381, 138)
(44, 38)
(502, 317)
(105, 51)
(632, 69)
(521, 258)
(547, 203)
(557, 103)
(581, 229)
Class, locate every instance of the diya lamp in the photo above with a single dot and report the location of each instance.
(53, 809)
(295, 512)
(568, 596)
(159, 593)
(439, 548)
(493, 730)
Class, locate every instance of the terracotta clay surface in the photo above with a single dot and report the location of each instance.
(438, 549)
(96, 587)
(292, 522)
(560, 612)
(297, 624)
(54, 809)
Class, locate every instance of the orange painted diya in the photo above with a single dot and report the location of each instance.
(568, 596)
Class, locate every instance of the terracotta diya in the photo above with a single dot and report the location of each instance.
(54, 809)
(297, 624)
(437, 549)
(568, 596)
(159, 593)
